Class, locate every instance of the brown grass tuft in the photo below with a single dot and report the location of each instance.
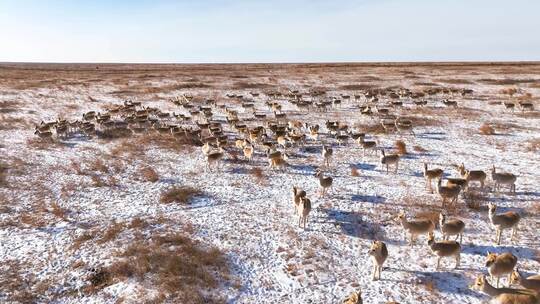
(419, 149)
(354, 171)
(401, 147)
(259, 175)
(179, 194)
(486, 129)
(181, 269)
(149, 174)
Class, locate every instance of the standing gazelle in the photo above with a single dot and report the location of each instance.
(501, 221)
(431, 174)
(503, 178)
(472, 175)
(327, 155)
(378, 253)
(303, 209)
(390, 159)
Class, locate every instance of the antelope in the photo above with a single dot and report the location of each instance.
(276, 159)
(430, 175)
(451, 227)
(297, 195)
(505, 295)
(531, 282)
(354, 298)
(282, 141)
(456, 182)
(367, 145)
(503, 178)
(248, 152)
(415, 227)
(450, 103)
(44, 135)
(500, 265)
(472, 176)
(304, 208)
(501, 221)
(378, 253)
(390, 159)
(327, 155)
(448, 192)
(213, 157)
(314, 132)
(324, 181)
(444, 249)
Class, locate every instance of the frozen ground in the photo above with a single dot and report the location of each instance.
(251, 219)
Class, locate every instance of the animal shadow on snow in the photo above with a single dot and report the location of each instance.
(447, 280)
(517, 250)
(353, 224)
(373, 199)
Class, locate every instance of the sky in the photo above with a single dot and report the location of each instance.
(237, 31)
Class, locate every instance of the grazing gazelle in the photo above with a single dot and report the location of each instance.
(500, 265)
(473, 175)
(415, 227)
(451, 227)
(431, 174)
(367, 145)
(213, 158)
(505, 295)
(390, 159)
(501, 221)
(503, 178)
(444, 249)
(378, 253)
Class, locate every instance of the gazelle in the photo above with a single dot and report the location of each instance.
(297, 195)
(378, 253)
(501, 221)
(354, 298)
(444, 249)
(367, 145)
(503, 178)
(431, 174)
(415, 227)
(505, 295)
(325, 182)
(213, 158)
(303, 209)
(448, 193)
(500, 265)
(277, 159)
(472, 175)
(531, 282)
(248, 152)
(451, 227)
(327, 154)
(390, 159)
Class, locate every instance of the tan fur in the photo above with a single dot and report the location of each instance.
(390, 159)
(353, 298)
(503, 179)
(473, 176)
(378, 253)
(501, 221)
(430, 175)
(303, 209)
(505, 295)
(451, 227)
(531, 282)
(327, 154)
(324, 181)
(444, 249)
(448, 193)
(500, 265)
(415, 227)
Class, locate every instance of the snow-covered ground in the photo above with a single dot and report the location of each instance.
(252, 220)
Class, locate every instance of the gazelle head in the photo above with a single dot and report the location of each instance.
(490, 258)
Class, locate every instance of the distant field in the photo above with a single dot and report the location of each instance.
(132, 183)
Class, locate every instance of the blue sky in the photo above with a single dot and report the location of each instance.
(269, 31)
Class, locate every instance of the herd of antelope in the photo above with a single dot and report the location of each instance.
(270, 125)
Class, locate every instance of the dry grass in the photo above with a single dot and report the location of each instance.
(486, 129)
(112, 232)
(148, 174)
(533, 145)
(401, 147)
(419, 149)
(259, 175)
(354, 171)
(182, 270)
(3, 175)
(476, 200)
(179, 194)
